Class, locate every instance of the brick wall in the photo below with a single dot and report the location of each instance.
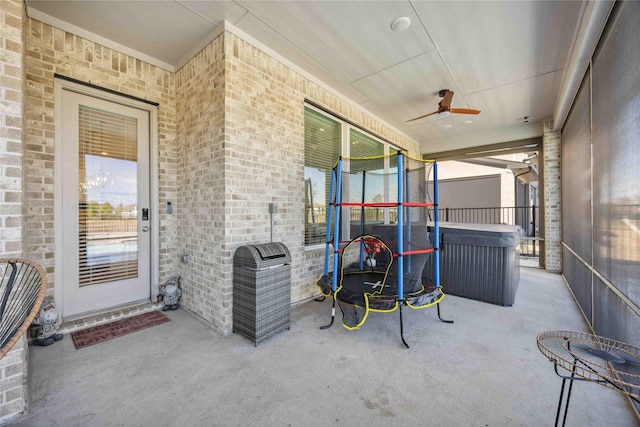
(201, 204)
(11, 127)
(48, 51)
(552, 201)
(13, 381)
(241, 142)
(13, 367)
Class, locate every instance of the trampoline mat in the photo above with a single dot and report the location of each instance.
(357, 284)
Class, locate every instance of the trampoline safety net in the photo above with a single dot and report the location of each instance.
(382, 220)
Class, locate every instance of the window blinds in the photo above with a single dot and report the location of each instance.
(107, 238)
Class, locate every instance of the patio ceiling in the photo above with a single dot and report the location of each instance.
(519, 62)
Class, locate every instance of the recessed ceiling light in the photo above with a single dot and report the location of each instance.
(468, 122)
(400, 24)
(447, 126)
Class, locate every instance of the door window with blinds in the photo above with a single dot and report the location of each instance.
(107, 214)
(326, 139)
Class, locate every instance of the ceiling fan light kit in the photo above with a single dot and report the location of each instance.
(444, 107)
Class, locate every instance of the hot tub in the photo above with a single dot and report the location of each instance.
(478, 261)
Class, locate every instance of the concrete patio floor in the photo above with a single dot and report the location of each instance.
(483, 370)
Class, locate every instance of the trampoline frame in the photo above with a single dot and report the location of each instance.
(335, 205)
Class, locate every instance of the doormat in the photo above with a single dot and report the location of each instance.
(109, 331)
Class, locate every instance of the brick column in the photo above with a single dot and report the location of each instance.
(11, 123)
(13, 366)
(552, 199)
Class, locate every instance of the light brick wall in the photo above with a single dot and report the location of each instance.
(552, 201)
(13, 381)
(48, 51)
(241, 139)
(13, 367)
(11, 127)
(201, 204)
(265, 136)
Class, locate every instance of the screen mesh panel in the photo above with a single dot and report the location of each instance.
(578, 276)
(606, 284)
(576, 175)
(616, 157)
(614, 319)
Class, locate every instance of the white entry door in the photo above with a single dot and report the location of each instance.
(105, 205)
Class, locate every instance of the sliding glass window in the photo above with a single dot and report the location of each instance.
(322, 149)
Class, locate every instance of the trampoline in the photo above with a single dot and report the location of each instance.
(380, 270)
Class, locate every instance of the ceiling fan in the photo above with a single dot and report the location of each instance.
(444, 107)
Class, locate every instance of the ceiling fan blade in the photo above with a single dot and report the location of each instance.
(422, 117)
(445, 104)
(463, 111)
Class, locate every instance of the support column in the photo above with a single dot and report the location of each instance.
(13, 366)
(552, 198)
(11, 127)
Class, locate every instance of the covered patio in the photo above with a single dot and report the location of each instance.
(483, 370)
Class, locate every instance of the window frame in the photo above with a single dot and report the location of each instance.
(345, 152)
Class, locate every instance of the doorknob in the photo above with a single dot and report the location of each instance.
(145, 228)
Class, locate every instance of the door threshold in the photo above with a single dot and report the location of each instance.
(88, 320)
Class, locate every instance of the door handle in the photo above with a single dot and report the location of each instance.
(145, 228)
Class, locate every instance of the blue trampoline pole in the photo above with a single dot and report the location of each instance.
(436, 228)
(336, 228)
(401, 300)
(436, 238)
(407, 197)
(328, 234)
(400, 225)
(336, 241)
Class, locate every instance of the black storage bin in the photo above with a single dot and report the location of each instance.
(261, 290)
(478, 261)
